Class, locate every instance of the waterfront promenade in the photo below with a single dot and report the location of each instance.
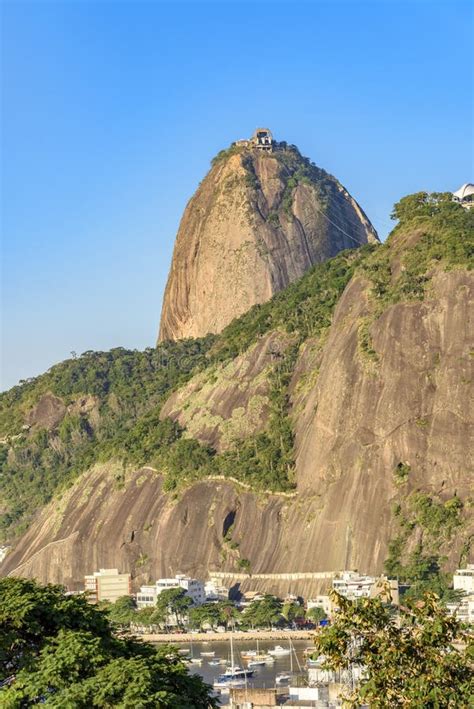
(220, 637)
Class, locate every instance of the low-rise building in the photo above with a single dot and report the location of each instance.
(146, 596)
(354, 586)
(321, 601)
(463, 579)
(463, 609)
(248, 597)
(107, 585)
(214, 591)
(194, 587)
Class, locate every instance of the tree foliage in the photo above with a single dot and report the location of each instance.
(424, 660)
(59, 651)
(214, 614)
(263, 613)
(173, 602)
(316, 614)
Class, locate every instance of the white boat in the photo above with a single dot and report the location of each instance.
(211, 653)
(279, 651)
(196, 660)
(249, 653)
(223, 685)
(283, 677)
(214, 663)
(256, 663)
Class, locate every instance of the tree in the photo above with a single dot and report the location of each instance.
(207, 614)
(291, 611)
(422, 661)
(228, 613)
(424, 205)
(264, 612)
(123, 610)
(61, 651)
(173, 601)
(316, 614)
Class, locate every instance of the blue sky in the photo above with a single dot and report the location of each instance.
(113, 110)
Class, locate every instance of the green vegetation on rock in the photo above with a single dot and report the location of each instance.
(127, 389)
(426, 526)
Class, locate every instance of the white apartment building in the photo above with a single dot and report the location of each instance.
(193, 587)
(353, 586)
(463, 609)
(107, 585)
(463, 580)
(321, 601)
(146, 596)
(214, 591)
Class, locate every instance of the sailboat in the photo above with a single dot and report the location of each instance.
(286, 676)
(234, 676)
(194, 660)
(256, 658)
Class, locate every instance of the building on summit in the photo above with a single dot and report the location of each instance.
(263, 140)
(465, 195)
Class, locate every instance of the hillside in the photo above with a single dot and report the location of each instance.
(338, 411)
(258, 221)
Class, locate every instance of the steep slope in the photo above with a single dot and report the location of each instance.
(359, 377)
(257, 222)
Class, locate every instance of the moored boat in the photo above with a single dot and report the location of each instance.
(279, 651)
(256, 663)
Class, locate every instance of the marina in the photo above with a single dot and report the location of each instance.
(241, 663)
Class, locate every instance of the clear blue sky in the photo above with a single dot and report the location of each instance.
(113, 110)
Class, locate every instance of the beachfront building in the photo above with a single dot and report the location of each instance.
(214, 591)
(146, 596)
(107, 585)
(463, 609)
(194, 587)
(354, 586)
(321, 601)
(463, 579)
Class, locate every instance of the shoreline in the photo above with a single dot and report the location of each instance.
(175, 638)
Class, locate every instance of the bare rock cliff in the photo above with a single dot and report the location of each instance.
(257, 222)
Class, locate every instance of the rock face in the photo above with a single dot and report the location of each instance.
(357, 416)
(257, 222)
